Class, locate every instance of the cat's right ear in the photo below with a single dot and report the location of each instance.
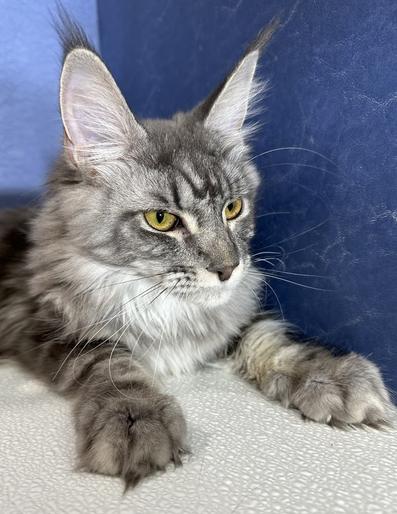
(98, 124)
(226, 110)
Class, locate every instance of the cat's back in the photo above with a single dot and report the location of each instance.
(14, 241)
(14, 300)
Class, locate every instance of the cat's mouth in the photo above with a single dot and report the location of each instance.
(208, 289)
(198, 286)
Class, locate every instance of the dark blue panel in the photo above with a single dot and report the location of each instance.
(333, 69)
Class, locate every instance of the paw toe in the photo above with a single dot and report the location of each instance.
(348, 392)
(318, 398)
(133, 439)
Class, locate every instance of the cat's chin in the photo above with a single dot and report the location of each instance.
(214, 293)
(211, 297)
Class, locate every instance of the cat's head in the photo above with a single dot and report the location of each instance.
(167, 199)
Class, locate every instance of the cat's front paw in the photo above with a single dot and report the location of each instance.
(129, 436)
(342, 391)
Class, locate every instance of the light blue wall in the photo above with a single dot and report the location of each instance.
(30, 130)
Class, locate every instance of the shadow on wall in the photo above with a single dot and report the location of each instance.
(12, 199)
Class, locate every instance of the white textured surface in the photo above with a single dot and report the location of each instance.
(248, 456)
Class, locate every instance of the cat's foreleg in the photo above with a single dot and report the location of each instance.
(125, 426)
(339, 390)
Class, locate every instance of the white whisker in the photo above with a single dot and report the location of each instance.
(290, 148)
(297, 283)
(303, 165)
(277, 298)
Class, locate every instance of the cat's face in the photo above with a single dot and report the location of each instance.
(172, 201)
(187, 212)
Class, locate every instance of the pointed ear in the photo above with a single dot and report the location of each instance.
(229, 111)
(98, 123)
(226, 110)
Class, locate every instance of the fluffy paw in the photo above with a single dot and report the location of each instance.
(130, 437)
(341, 391)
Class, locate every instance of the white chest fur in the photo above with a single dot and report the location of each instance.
(170, 334)
(179, 335)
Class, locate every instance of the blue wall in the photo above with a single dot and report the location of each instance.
(333, 68)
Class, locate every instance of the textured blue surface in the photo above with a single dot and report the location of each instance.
(333, 69)
(30, 57)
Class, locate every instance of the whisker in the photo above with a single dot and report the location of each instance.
(267, 253)
(298, 274)
(269, 259)
(301, 249)
(151, 345)
(136, 344)
(110, 359)
(101, 328)
(272, 214)
(298, 284)
(299, 234)
(282, 251)
(80, 354)
(91, 284)
(302, 149)
(88, 290)
(303, 165)
(277, 298)
(160, 293)
(79, 329)
(256, 296)
(65, 359)
(264, 260)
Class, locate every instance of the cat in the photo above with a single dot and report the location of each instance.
(136, 264)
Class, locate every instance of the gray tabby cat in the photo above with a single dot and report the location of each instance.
(137, 265)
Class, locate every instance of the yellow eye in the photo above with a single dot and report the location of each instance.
(233, 209)
(161, 220)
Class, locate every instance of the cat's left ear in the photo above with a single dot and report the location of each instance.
(226, 110)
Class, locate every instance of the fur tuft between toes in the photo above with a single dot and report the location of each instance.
(130, 438)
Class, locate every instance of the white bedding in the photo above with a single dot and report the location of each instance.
(249, 455)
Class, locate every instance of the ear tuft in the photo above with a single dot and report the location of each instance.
(70, 33)
(227, 109)
(264, 36)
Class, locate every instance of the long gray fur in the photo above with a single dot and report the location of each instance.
(99, 305)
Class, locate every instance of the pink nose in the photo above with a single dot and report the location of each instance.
(223, 272)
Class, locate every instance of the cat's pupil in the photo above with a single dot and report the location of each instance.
(160, 216)
(230, 207)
